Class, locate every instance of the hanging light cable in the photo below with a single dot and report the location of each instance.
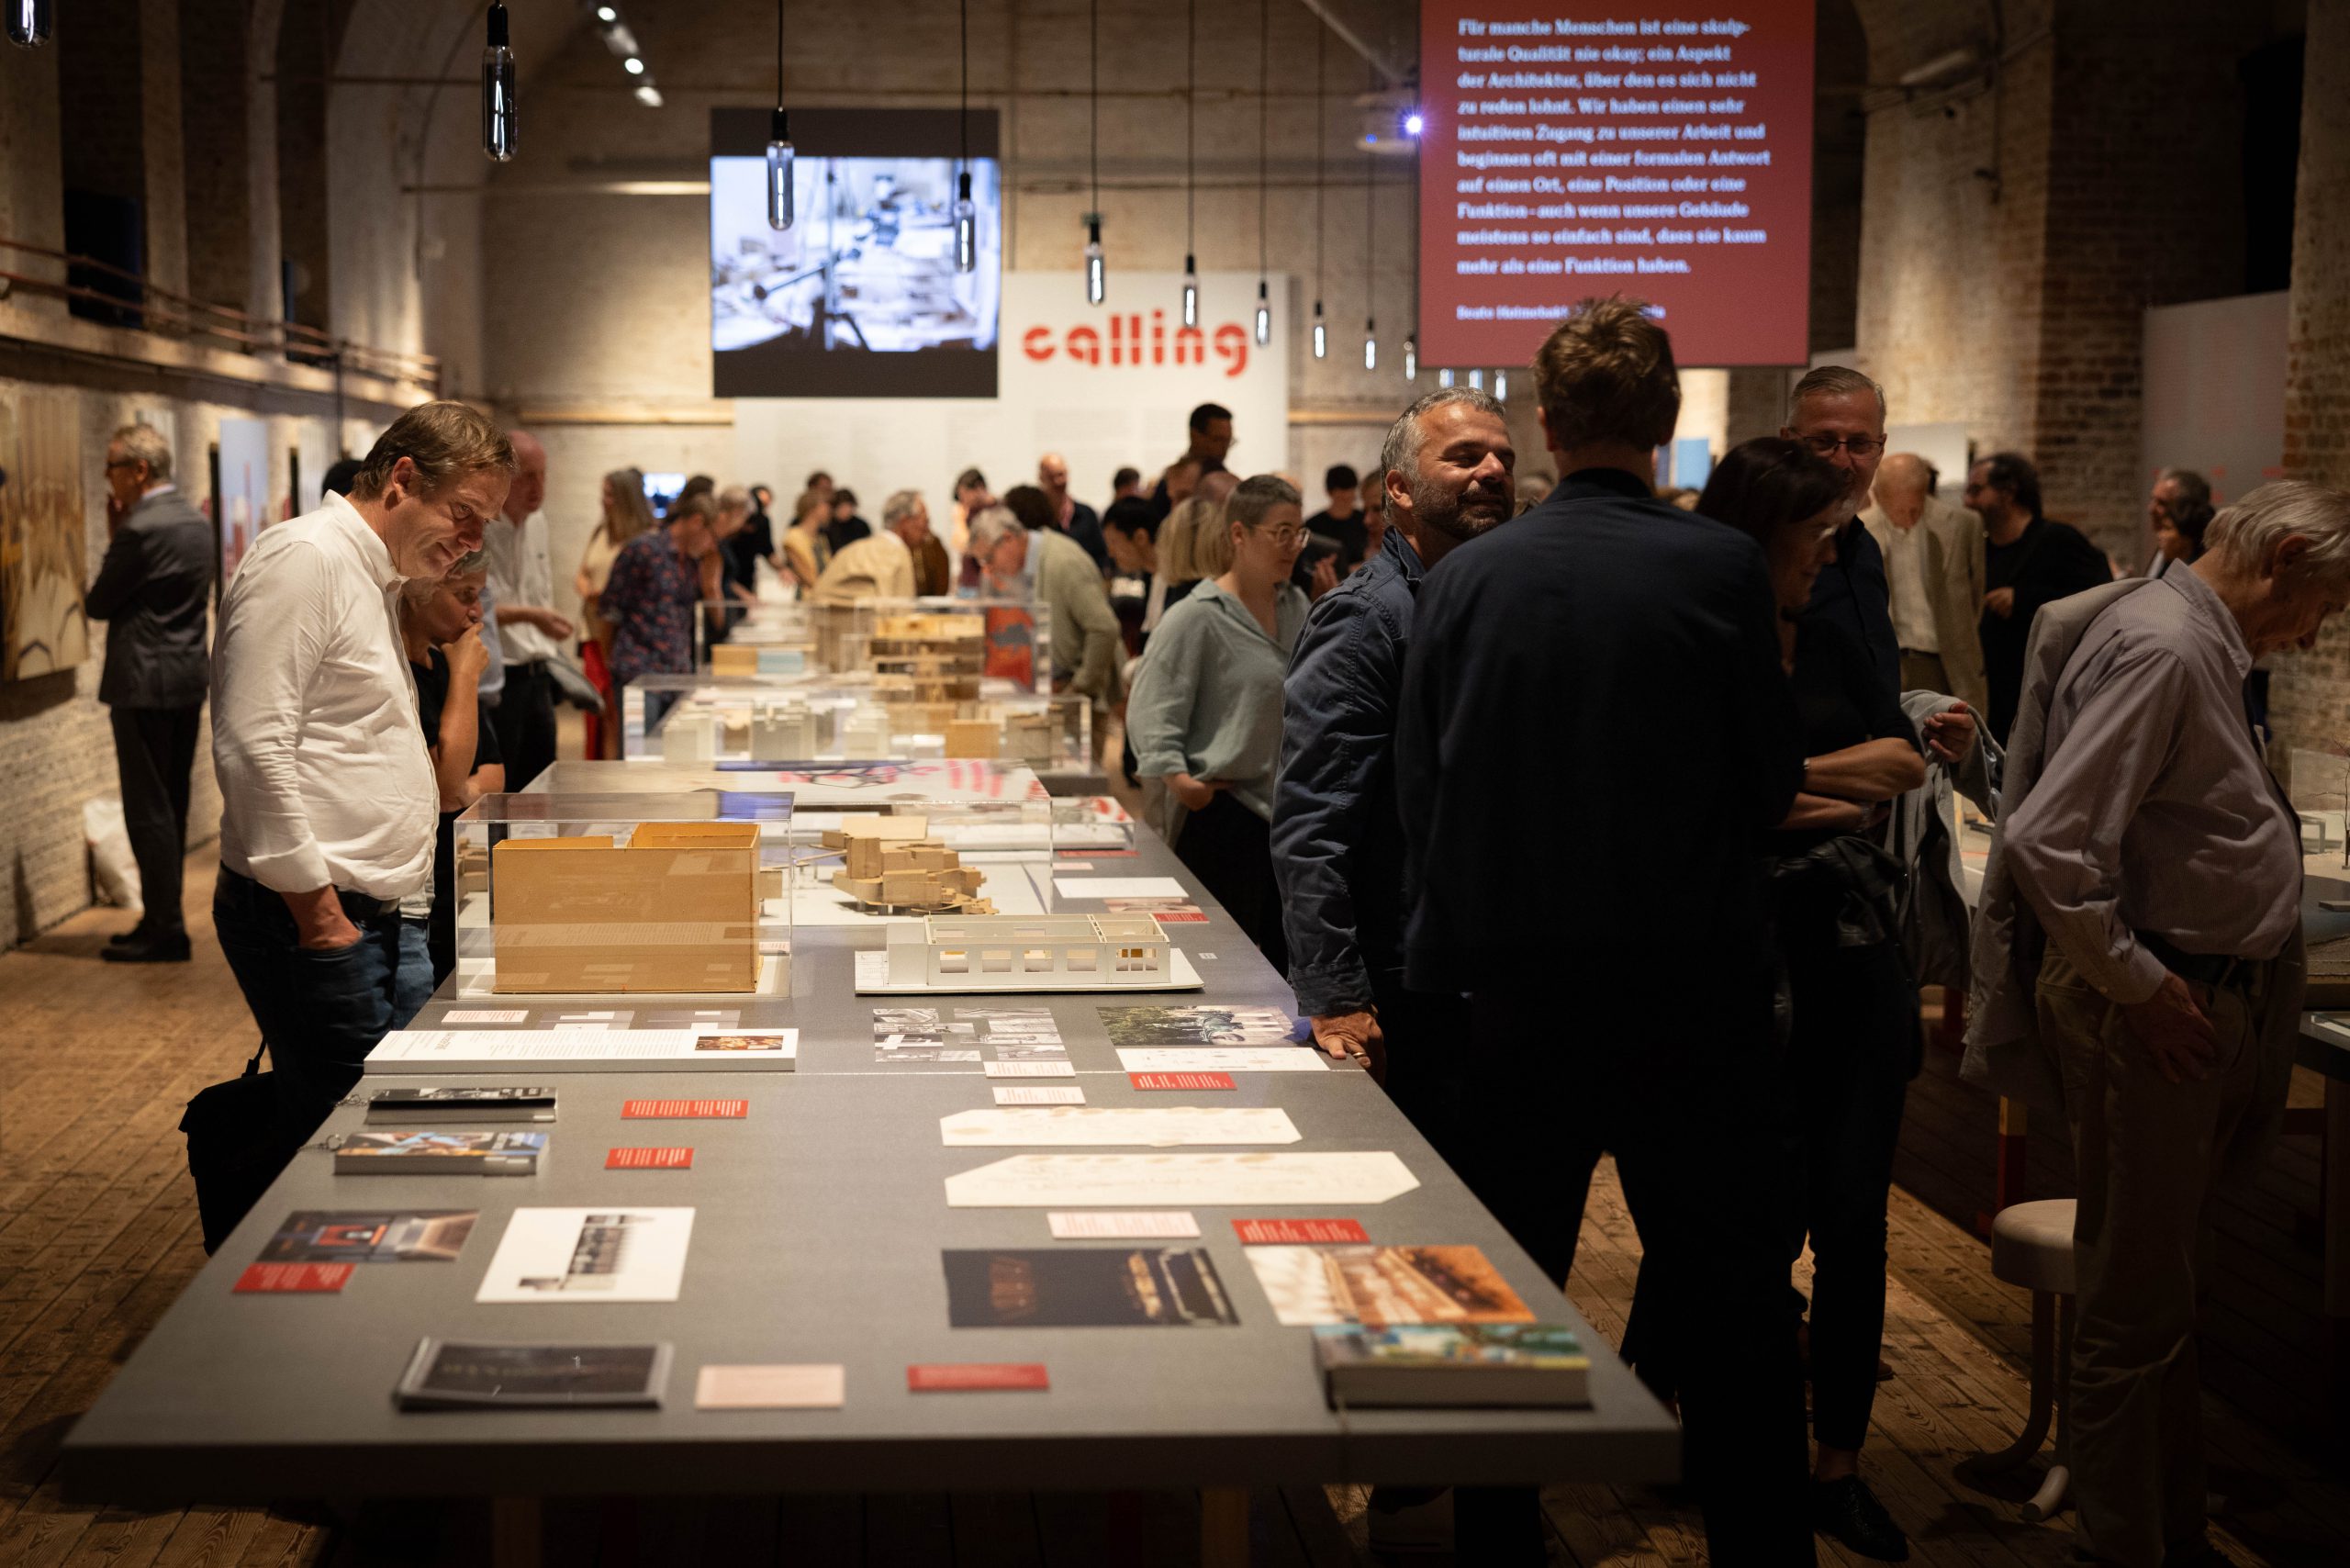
(966, 221)
(781, 209)
(497, 83)
(1190, 189)
(30, 22)
(1096, 284)
(1264, 106)
(1370, 241)
(1321, 50)
(1412, 321)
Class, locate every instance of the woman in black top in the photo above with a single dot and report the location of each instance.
(1853, 1037)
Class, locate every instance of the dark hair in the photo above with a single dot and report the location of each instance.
(339, 478)
(2191, 517)
(815, 475)
(444, 442)
(1132, 515)
(2013, 472)
(845, 497)
(1607, 374)
(1764, 485)
(1341, 476)
(970, 479)
(1031, 506)
(1125, 476)
(1207, 414)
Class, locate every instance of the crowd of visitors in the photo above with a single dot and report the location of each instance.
(1367, 732)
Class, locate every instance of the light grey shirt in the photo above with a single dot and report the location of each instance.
(522, 573)
(1207, 698)
(2152, 811)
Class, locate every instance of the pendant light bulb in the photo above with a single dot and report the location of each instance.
(781, 209)
(1370, 344)
(1477, 380)
(30, 22)
(497, 79)
(1264, 314)
(1096, 283)
(1501, 386)
(1411, 356)
(967, 225)
(1444, 379)
(1190, 292)
(1321, 334)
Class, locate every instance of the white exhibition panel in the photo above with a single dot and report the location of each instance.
(2215, 393)
(1105, 386)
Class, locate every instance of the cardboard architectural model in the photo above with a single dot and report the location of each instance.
(892, 863)
(672, 907)
(1013, 952)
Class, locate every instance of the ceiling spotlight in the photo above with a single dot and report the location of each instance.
(648, 95)
(633, 66)
(1414, 123)
(30, 22)
(606, 14)
(619, 39)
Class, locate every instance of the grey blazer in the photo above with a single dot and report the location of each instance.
(155, 588)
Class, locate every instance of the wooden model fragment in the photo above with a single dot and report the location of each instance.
(892, 863)
(675, 908)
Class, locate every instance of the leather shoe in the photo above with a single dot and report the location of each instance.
(147, 951)
(1846, 1511)
(124, 938)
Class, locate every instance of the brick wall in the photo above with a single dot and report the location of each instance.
(2310, 693)
(215, 142)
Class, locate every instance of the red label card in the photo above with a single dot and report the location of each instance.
(1264, 1232)
(649, 1159)
(272, 1277)
(948, 1377)
(1169, 917)
(636, 1110)
(1180, 1079)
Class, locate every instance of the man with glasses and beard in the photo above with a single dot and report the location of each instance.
(1840, 414)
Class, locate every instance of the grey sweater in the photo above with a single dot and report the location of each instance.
(1207, 699)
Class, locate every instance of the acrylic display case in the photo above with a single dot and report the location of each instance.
(625, 893)
(765, 637)
(707, 719)
(914, 649)
(1092, 821)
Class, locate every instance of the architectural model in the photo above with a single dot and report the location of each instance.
(1013, 952)
(672, 906)
(892, 863)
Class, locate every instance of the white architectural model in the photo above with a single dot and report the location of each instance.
(690, 736)
(865, 732)
(781, 730)
(1013, 952)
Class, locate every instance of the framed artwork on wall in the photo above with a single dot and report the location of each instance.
(44, 628)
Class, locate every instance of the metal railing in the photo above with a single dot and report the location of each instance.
(167, 313)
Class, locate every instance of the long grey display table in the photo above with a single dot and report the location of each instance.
(820, 1219)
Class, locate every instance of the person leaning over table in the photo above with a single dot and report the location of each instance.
(1088, 649)
(1603, 910)
(1337, 844)
(2138, 962)
(1852, 1041)
(1205, 717)
(441, 631)
(328, 797)
(656, 584)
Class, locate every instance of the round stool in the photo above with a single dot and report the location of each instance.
(2032, 1246)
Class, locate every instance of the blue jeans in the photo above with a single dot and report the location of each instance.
(412, 983)
(321, 1011)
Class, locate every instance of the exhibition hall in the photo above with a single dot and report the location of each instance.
(1174, 782)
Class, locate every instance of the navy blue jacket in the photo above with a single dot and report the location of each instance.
(1337, 846)
(1851, 592)
(1593, 730)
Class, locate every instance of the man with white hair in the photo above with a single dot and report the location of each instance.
(2138, 962)
(1933, 564)
(529, 630)
(1838, 413)
(879, 566)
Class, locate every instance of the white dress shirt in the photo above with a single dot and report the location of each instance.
(1913, 606)
(315, 739)
(520, 572)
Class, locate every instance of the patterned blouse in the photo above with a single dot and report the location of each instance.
(649, 598)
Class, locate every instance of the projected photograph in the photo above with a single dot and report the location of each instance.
(860, 296)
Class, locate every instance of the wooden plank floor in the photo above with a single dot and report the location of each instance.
(97, 1236)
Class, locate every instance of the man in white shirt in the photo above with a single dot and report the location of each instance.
(328, 797)
(1933, 568)
(530, 631)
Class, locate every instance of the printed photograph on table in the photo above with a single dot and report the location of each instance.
(767, 1042)
(1087, 1288)
(438, 1153)
(370, 1235)
(571, 1255)
(1380, 1285)
(1196, 1025)
(444, 1375)
(918, 1034)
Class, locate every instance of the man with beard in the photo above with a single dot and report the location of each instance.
(1337, 847)
(1605, 672)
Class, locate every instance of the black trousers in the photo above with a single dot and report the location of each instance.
(1853, 1047)
(524, 719)
(1427, 1035)
(1670, 1086)
(1228, 848)
(321, 1011)
(154, 749)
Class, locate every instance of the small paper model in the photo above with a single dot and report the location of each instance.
(976, 951)
(892, 863)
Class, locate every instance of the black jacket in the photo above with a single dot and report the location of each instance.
(155, 587)
(1593, 730)
(1851, 593)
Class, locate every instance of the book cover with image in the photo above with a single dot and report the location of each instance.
(346, 1236)
(1103, 1287)
(1196, 1025)
(1382, 1285)
(434, 1153)
(447, 1375)
(1453, 1364)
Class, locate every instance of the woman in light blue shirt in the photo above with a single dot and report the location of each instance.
(1205, 716)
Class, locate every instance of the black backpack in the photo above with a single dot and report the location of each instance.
(234, 1147)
